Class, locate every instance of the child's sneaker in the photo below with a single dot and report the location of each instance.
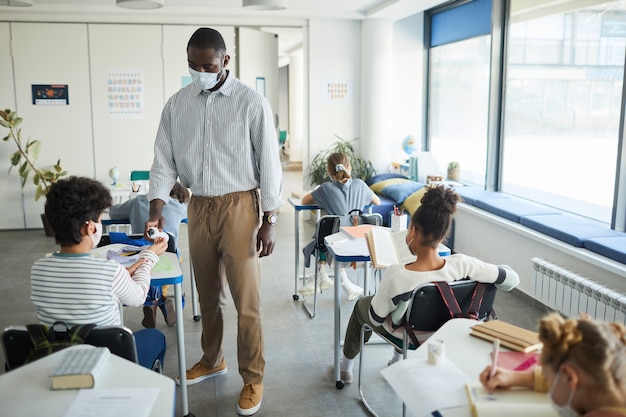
(169, 313)
(309, 287)
(325, 282)
(149, 316)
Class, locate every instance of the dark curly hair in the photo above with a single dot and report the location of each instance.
(433, 218)
(73, 201)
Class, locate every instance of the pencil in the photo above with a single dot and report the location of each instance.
(494, 357)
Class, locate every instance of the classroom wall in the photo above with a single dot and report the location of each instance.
(500, 241)
(334, 57)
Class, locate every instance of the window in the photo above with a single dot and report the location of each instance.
(562, 102)
(458, 106)
(458, 87)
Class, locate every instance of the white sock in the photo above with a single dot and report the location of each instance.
(396, 356)
(346, 364)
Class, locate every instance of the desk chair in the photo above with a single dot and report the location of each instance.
(16, 344)
(431, 305)
(327, 225)
(139, 177)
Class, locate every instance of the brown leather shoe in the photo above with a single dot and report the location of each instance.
(250, 399)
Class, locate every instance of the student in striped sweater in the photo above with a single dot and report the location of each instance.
(75, 287)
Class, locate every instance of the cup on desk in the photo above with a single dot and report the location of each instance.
(436, 352)
(398, 222)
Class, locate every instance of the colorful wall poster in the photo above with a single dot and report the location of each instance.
(125, 89)
(50, 94)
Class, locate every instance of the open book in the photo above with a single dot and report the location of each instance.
(387, 247)
(79, 367)
(516, 402)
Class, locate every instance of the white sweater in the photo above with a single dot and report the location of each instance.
(398, 284)
(82, 289)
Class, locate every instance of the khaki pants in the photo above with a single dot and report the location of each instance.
(225, 228)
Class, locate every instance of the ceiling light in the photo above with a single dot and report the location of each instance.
(265, 4)
(16, 3)
(140, 4)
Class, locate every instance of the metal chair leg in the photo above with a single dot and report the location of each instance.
(312, 313)
(364, 329)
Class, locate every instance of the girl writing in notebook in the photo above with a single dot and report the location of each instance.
(339, 197)
(583, 368)
(429, 227)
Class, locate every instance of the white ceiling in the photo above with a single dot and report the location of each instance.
(298, 9)
(286, 23)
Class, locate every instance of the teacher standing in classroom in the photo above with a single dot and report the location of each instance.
(218, 136)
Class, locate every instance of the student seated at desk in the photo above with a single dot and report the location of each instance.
(385, 310)
(75, 287)
(338, 197)
(137, 210)
(583, 368)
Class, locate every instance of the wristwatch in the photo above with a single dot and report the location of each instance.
(270, 218)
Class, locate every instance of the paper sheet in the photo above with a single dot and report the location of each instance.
(113, 402)
(425, 388)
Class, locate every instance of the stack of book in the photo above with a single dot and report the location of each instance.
(511, 336)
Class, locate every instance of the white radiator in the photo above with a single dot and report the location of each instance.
(570, 293)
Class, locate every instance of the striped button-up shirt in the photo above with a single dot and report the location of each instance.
(217, 143)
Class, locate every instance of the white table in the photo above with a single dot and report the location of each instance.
(167, 272)
(25, 391)
(296, 203)
(470, 354)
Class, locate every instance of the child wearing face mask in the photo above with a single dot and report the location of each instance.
(339, 196)
(75, 287)
(583, 368)
(384, 310)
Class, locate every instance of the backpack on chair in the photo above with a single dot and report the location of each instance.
(47, 340)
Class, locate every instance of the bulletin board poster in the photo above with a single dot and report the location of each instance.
(125, 92)
(335, 91)
(50, 94)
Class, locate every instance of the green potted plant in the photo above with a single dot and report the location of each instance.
(361, 168)
(454, 171)
(25, 157)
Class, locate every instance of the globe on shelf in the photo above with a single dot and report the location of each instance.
(410, 145)
(114, 173)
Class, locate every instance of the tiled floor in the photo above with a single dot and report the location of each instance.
(298, 350)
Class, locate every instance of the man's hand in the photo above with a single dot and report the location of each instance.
(156, 218)
(265, 240)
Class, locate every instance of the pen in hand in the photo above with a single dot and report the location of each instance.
(494, 358)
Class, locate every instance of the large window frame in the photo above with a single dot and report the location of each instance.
(496, 122)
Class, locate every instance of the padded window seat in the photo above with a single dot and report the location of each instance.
(573, 230)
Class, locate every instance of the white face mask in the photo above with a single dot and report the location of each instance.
(95, 238)
(204, 80)
(562, 410)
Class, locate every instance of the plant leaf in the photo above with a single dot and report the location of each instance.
(5, 123)
(15, 158)
(33, 149)
(40, 192)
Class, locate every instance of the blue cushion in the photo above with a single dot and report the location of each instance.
(512, 208)
(472, 194)
(611, 247)
(399, 192)
(382, 177)
(569, 229)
